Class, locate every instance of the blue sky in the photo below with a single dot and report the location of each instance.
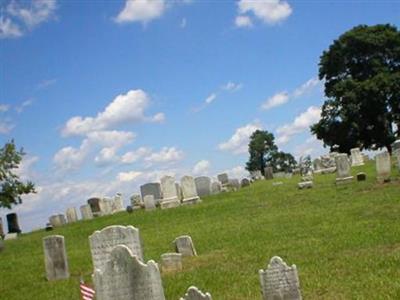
(107, 95)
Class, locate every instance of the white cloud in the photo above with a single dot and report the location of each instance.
(276, 100)
(134, 156)
(237, 172)
(306, 87)
(232, 87)
(268, 11)
(238, 143)
(124, 109)
(311, 146)
(300, 124)
(165, 155)
(141, 11)
(8, 29)
(4, 107)
(24, 105)
(210, 98)
(243, 21)
(25, 168)
(129, 176)
(201, 168)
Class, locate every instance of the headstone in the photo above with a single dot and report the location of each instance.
(1, 228)
(125, 277)
(245, 182)
(398, 159)
(279, 282)
(215, 188)
(71, 214)
(55, 257)
(57, 220)
(396, 147)
(343, 169)
(169, 193)
(383, 167)
(149, 202)
(256, 175)
(268, 173)
(49, 227)
(234, 184)
(193, 293)
(136, 201)
(95, 206)
(189, 190)
(12, 222)
(361, 176)
(153, 188)
(223, 178)
(365, 157)
(117, 203)
(106, 206)
(203, 185)
(317, 164)
(11, 236)
(184, 245)
(356, 157)
(102, 242)
(171, 262)
(178, 191)
(86, 212)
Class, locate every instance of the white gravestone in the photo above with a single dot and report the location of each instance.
(356, 157)
(383, 166)
(149, 202)
(189, 190)
(57, 220)
(125, 277)
(71, 214)
(193, 293)
(86, 212)
(279, 282)
(184, 245)
(102, 242)
(169, 193)
(343, 168)
(105, 205)
(203, 185)
(55, 257)
(171, 262)
(118, 203)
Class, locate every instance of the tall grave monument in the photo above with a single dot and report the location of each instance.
(169, 193)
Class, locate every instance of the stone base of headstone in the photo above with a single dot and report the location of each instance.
(305, 185)
(344, 180)
(361, 176)
(11, 236)
(169, 203)
(171, 262)
(190, 201)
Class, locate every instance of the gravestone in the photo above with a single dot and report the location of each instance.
(153, 188)
(184, 245)
(215, 188)
(169, 193)
(234, 184)
(125, 277)
(106, 206)
(71, 214)
(356, 157)
(48, 227)
(102, 242)
(178, 191)
(117, 203)
(245, 182)
(11, 236)
(343, 169)
(279, 282)
(189, 191)
(149, 202)
(136, 201)
(396, 147)
(86, 212)
(129, 209)
(268, 173)
(57, 220)
(361, 176)
(171, 262)
(256, 175)
(12, 222)
(383, 167)
(95, 206)
(317, 164)
(193, 293)
(203, 186)
(223, 178)
(305, 184)
(1, 228)
(55, 257)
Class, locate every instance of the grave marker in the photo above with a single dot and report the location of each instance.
(193, 293)
(189, 190)
(169, 193)
(184, 245)
(383, 167)
(55, 257)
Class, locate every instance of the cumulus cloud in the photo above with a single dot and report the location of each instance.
(129, 176)
(243, 21)
(141, 11)
(136, 155)
(276, 100)
(237, 172)
(201, 168)
(165, 155)
(238, 143)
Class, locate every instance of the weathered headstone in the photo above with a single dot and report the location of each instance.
(153, 188)
(117, 203)
(317, 164)
(102, 242)
(203, 185)
(171, 262)
(57, 220)
(383, 167)
(279, 282)
(12, 222)
(184, 245)
(356, 157)
(215, 188)
(149, 202)
(223, 178)
(106, 206)
(136, 201)
(245, 182)
(71, 214)
(189, 190)
(234, 184)
(193, 293)
(268, 173)
(343, 168)
(95, 206)
(396, 147)
(125, 277)
(55, 257)
(86, 212)
(11, 236)
(169, 193)
(361, 176)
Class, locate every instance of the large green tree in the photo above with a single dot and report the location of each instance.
(11, 187)
(361, 71)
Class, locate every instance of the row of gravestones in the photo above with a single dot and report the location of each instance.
(119, 272)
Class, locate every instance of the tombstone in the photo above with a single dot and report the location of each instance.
(343, 169)
(129, 209)
(184, 245)
(178, 191)
(223, 178)
(12, 222)
(356, 157)
(11, 236)
(102, 242)
(1, 228)
(125, 277)
(117, 203)
(189, 192)
(153, 188)
(193, 293)
(245, 182)
(71, 214)
(361, 176)
(149, 202)
(279, 282)
(48, 227)
(365, 157)
(256, 175)
(55, 257)
(203, 186)
(169, 193)
(136, 201)
(317, 164)
(171, 262)
(234, 184)
(95, 206)
(57, 220)
(268, 173)
(106, 206)
(86, 212)
(383, 167)
(215, 188)
(398, 159)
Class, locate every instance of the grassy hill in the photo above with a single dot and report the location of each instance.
(344, 240)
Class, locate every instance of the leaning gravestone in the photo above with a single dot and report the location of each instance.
(356, 157)
(215, 188)
(383, 167)
(203, 185)
(153, 188)
(169, 193)
(125, 277)
(71, 214)
(189, 190)
(12, 222)
(171, 262)
(55, 257)
(184, 245)
(149, 203)
(268, 173)
(86, 212)
(343, 168)
(102, 242)
(279, 282)
(193, 293)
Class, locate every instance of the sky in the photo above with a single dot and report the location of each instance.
(107, 95)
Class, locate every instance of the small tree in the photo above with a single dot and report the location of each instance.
(261, 148)
(11, 188)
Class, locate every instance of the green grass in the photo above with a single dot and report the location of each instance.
(344, 240)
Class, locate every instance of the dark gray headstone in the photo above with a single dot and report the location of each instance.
(203, 185)
(361, 176)
(268, 173)
(223, 178)
(12, 222)
(95, 206)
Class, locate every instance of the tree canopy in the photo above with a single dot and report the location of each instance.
(11, 187)
(361, 71)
